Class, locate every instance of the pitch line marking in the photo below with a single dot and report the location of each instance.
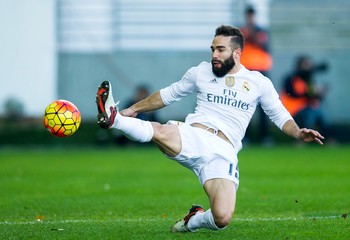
(153, 220)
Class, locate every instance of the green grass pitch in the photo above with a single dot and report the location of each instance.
(136, 193)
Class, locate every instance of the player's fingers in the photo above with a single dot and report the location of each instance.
(317, 134)
(125, 112)
(318, 141)
(313, 132)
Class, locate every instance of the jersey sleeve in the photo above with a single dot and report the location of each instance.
(180, 89)
(272, 105)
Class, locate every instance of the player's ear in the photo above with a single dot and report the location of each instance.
(237, 53)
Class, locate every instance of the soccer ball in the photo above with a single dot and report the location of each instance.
(62, 118)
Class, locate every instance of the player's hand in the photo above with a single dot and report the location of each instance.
(309, 135)
(128, 112)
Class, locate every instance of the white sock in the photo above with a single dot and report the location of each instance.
(134, 128)
(202, 220)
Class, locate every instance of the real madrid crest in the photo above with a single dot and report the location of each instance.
(246, 86)
(230, 81)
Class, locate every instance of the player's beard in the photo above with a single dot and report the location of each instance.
(226, 66)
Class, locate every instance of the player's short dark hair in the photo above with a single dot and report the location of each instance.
(237, 38)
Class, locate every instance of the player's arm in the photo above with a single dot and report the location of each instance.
(307, 135)
(151, 103)
(165, 96)
(273, 107)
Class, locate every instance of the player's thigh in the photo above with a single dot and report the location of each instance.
(222, 196)
(168, 139)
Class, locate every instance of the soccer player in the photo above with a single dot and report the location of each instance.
(210, 138)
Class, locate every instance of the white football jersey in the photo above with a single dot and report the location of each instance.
(227, 103)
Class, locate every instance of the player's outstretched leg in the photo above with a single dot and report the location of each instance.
(109, 117)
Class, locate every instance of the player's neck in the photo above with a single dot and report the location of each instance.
(235, 69)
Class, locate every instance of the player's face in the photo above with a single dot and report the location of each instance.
(222, 56)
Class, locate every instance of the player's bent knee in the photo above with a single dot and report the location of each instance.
(163, 132)
(167, 138)
(160, 131)
(222, 220)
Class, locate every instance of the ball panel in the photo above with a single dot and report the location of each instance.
(51, 123)
(68, 114)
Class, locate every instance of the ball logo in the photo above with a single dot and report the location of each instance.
(230, 81)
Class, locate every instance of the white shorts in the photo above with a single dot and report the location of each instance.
(206, 154)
